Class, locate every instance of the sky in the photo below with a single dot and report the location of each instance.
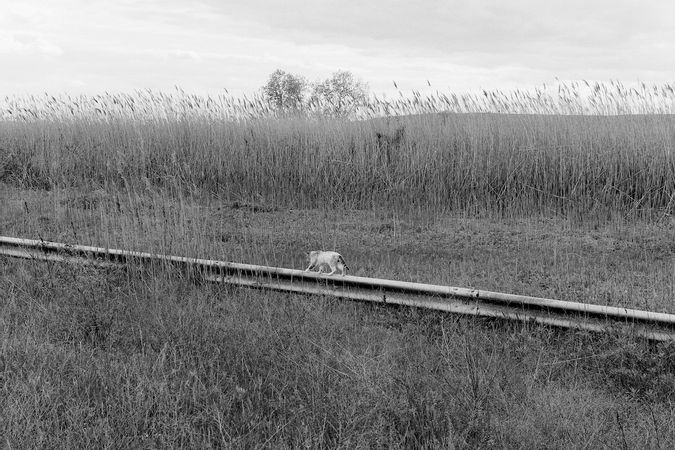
(206, 46)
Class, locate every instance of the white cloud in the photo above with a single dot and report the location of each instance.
(28, 43)
(209, 44)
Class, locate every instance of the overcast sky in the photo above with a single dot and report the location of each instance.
(89, 46)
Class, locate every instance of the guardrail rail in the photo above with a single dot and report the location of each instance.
(581, 316)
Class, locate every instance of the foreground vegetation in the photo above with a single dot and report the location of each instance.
(142, 358)
(564, 206)
(149, 359)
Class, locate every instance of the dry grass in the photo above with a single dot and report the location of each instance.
(619, 263)
(114, 359)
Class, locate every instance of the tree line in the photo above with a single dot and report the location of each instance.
(339, 95)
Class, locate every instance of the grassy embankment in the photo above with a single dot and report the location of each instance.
(567, 207)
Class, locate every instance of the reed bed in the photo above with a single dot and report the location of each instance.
(581, 149)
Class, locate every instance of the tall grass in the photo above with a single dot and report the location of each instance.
(506, 153)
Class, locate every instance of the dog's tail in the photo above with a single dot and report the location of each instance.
(344, 263)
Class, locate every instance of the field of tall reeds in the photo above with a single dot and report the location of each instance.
(570, 151)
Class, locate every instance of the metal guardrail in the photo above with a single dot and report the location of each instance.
(582, 316)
